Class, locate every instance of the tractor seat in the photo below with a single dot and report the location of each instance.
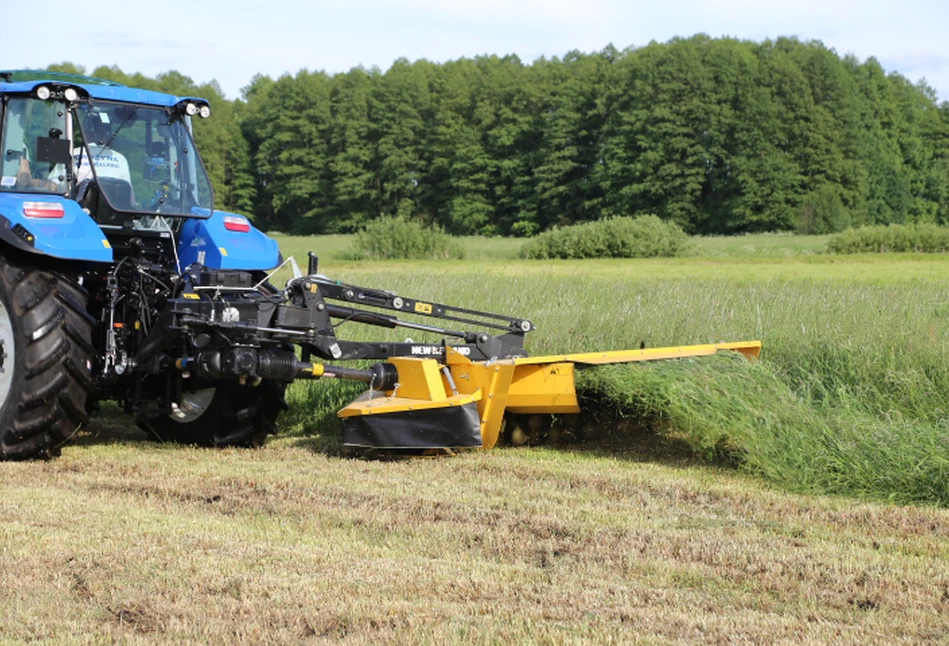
(92, 197)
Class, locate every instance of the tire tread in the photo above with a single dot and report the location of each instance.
(53, 349)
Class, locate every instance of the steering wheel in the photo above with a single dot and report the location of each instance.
(167, 199)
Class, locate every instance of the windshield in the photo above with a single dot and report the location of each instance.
(33, 132)
(143, 158)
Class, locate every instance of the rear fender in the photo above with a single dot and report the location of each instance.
(74, 236)
(211, 243)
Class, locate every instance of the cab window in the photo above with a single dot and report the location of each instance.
(32, 129)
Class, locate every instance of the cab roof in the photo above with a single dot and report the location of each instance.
(26, 81)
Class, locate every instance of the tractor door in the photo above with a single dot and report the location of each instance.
(34, 146)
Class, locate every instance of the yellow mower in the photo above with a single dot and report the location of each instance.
(461, 403)
(447, 395)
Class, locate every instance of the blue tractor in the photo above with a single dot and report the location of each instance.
(120, 281)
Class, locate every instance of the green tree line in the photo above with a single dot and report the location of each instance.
(716, 134)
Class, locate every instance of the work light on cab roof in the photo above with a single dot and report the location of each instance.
(191, 109)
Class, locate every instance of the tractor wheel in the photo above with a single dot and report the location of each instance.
(226, 415)
(45, 359)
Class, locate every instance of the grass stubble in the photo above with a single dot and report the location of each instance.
(128, 541)
(644, 536)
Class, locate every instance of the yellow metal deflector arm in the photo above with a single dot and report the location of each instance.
(750, 349)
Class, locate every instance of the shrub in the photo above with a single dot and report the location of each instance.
(397, 237)
(920, 238)
(524, 229)
(621, 237)
(823, 212)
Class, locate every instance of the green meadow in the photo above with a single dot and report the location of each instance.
(851, 392)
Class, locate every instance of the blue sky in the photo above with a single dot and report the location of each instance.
(233, 41)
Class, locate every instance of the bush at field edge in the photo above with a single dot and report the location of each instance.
(645, 236)
(388, 238)
(912, 238)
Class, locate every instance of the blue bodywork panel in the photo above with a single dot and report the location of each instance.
(105, 92)
(208, 242)
(75, 236)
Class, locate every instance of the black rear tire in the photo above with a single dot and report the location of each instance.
(45, 359)
(226, 415)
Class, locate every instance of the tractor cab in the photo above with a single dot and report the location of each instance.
(126, 156)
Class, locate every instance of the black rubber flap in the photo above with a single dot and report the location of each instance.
(434, 428)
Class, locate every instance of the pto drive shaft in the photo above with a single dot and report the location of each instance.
(252, 364)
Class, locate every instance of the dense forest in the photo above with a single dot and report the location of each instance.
(716, 134)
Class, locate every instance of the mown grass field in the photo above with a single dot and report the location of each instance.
(700, 521)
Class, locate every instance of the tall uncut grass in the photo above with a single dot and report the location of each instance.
(851, 395)
(728, 408)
